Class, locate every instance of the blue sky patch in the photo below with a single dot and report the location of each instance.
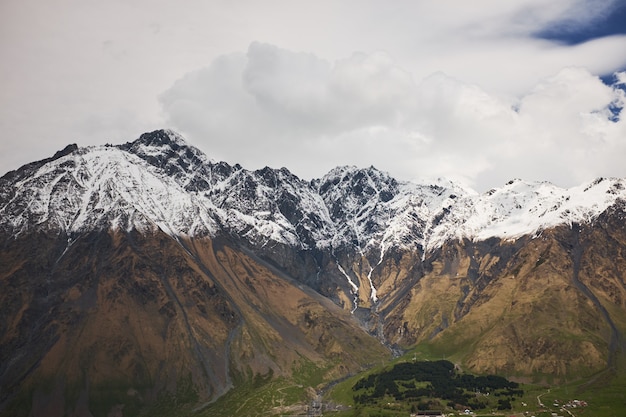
(572, 33)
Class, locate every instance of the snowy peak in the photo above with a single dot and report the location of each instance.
(29, 169)
(160, 181)
(373, 211)
(98, 188)
(521, 208)
(346, 190)
(270, 204)
(358, 202)
(170, 153)
(161, 138)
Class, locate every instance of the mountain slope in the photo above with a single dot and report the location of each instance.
(147, 314)
(527, 307)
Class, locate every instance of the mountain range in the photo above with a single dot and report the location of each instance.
(146, 275)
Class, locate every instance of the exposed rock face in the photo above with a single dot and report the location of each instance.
(149, 314)
(149, 268)
(519, 308)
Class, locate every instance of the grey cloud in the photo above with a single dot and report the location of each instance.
(301, 89)
(289, 84)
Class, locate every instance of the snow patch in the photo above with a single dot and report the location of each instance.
(160, 182)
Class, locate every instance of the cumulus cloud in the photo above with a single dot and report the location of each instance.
(277, 107)
(563, 130)
(303, 92)
(272, 102)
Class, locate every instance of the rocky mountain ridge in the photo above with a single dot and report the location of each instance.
(161, 181)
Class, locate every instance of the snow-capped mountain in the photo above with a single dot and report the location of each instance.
(171, 277)
(525, 208)
(160, 181)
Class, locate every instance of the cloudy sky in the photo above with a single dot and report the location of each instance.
(479, 92)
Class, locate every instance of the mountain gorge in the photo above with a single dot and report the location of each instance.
(148, 275)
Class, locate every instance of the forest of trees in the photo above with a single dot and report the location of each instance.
(415, 381)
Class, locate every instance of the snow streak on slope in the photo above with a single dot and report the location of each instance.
(355, 288)
(159, 181)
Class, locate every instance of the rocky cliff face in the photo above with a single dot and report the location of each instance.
(146, 274)
(155, 318)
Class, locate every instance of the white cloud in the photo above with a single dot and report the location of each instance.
(271, 99)
(306, 113)
(294, 85)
